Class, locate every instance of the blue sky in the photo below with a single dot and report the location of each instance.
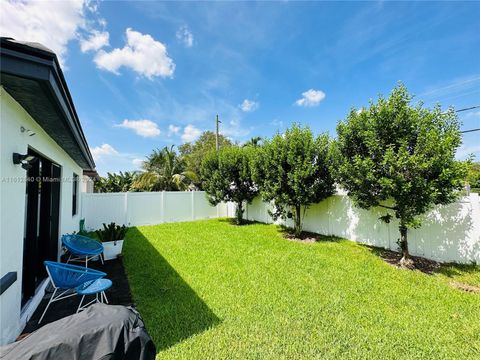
(147, 74)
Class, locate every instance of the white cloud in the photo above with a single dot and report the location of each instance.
(96, 41)
(277, 123)
(142, 53)
(249, 105)
(233, 129)
(473, 114)
(466, 150)
(311, 98)
(138, 162)
(145, 128)
(52, 24)
(108, 159)
(99, 152)
(470, 144)
(190, 133)
(185, 36)
(173, 130)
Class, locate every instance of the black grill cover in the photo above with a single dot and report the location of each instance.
(99, 332)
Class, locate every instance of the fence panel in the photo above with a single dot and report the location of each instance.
(448, 233)
(103, 208)
(144, 208)
(177, 206)
(148, 208)
(202, 208)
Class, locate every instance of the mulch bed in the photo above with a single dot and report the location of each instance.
(421, 264)
(306, 237)
(391, 257)
(424, 265)
(118, 294)
(465, 287)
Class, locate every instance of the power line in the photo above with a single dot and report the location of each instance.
(469, 108)
(468, 131)
(466, 109)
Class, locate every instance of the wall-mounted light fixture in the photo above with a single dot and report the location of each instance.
(28, 131)
(26, 160)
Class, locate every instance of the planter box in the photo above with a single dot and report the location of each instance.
(111, 249)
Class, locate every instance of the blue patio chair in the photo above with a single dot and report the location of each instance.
(96, 288)
(82, 247)
(66, 278)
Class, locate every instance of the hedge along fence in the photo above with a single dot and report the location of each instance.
(448, 233)
(148, 208)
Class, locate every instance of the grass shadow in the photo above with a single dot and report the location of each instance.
(231, 221)
(286, 231)
(427, 266)
(452, 270)
(306, 236)
(170, 308)
(393, 258)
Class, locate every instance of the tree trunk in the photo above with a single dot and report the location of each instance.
(298, 221)
(405, 260)
(239, 213)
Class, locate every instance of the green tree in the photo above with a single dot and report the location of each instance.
(164, 171)
(227, 176)
(254, 141)
(473, 175)
(293, 171)
(113, 182)
(400, 157)
(194, 152)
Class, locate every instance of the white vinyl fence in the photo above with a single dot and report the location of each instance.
(148, 208)
(448, 233)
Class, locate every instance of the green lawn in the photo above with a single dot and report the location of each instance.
(209, 289)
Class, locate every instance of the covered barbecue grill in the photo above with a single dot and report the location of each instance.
(100, 332)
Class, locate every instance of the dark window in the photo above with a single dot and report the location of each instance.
(74, 194)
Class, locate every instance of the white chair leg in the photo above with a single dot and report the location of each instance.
(101, 258)
(86, 261)
(80, 305)
(49, 302)
(69, 257)
(105, 296)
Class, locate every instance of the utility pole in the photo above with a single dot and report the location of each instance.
(216, 134)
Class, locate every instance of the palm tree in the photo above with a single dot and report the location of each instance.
(113, 182)
(254, 141)
(164, 170)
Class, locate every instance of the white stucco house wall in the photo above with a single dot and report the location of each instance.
(40, 196)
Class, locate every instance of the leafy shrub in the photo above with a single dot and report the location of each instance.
(227, 176)
(111, 232)
(293, 170)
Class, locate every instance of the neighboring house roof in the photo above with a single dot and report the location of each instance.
(31, 74)
(92, 174)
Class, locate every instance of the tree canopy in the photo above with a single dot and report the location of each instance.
(473, 175)
(194, 152)
(113, 182)
(164, 171)
(400, 157)
(293, 171)
(227, 176)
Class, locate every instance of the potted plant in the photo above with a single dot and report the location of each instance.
(112, 236)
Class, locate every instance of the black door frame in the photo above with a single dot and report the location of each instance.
(41, 222)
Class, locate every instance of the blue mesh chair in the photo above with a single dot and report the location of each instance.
(67, 277)
(82, 248)
(97, 288)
